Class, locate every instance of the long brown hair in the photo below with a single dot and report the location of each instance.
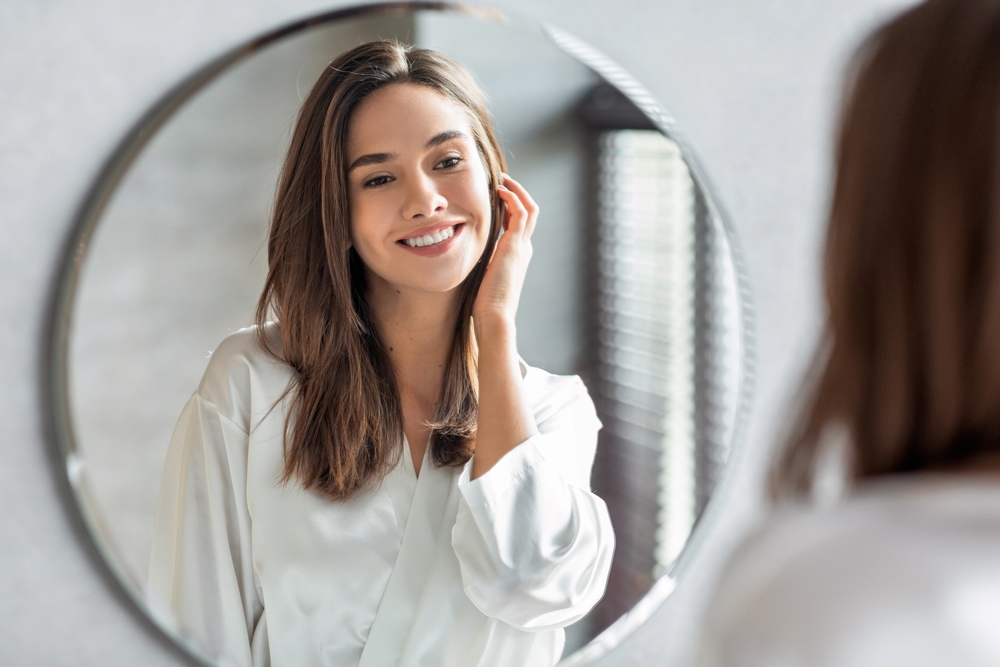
(344, 428)
(909, 363)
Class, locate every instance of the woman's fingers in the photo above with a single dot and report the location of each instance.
(525, 201)
(500, 290)
(517, 214)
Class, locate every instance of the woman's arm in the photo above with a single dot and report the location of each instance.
(202, 582)
(505, 418)
(533, 542)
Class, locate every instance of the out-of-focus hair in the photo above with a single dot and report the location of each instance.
(344, 428)
(909, 361)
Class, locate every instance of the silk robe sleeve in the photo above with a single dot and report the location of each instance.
(201, 576)
(534, 544)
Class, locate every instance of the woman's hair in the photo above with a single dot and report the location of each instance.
(909, 363)
(344, 429)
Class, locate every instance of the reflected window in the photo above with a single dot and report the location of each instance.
(653, 341)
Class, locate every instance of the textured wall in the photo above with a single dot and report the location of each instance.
(752, 84)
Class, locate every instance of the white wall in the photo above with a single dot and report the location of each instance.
(752, 84)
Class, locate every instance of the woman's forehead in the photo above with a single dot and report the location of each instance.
(403, 118)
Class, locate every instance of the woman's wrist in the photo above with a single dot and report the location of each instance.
(505, 417)
(494, 329)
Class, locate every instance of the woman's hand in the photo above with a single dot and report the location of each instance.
(505, 416)
(501, 287)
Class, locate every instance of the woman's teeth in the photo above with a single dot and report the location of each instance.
(431, 239)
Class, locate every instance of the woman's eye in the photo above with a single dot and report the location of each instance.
(377, 181)
(449, 162)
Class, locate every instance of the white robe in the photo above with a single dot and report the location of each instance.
(436, 570)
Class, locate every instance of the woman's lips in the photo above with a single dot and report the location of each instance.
(438, 248)
(430, 237)
(431, 229)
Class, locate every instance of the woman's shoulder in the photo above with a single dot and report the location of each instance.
(241, 366)
(881, 554)
(886, 510)
(550, 393)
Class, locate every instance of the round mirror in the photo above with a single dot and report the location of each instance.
(634, 285)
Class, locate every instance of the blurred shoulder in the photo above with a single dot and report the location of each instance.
(849, 576)
(877, 518)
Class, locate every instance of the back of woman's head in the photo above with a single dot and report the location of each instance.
(344, 432)
(910, 361)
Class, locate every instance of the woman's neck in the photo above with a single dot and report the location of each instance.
(416, 329)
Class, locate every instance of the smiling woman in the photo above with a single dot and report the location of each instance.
(435, 504)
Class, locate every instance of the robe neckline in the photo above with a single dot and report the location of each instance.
(422, 531)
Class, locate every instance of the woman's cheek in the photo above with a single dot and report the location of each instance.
(477, 190)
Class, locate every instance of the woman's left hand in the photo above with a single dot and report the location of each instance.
(500, 290)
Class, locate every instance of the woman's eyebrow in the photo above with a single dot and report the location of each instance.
(371, 158)
(442, 137)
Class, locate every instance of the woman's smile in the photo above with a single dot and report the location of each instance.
(432, 241)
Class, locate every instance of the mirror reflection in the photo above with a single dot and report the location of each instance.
(631, 287)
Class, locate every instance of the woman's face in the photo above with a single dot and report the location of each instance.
(418, 189)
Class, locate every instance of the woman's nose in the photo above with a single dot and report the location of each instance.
(423, 198)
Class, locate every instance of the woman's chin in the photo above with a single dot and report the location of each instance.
(440, 284)
(438, 287)
(446, 279)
